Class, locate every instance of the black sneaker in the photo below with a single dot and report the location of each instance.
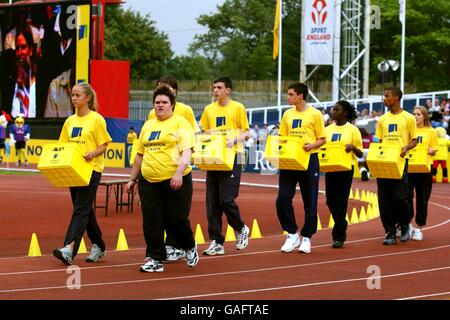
(405, 234)
(390, 239)
(364, 176)
(337, 244)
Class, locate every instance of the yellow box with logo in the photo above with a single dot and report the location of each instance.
(286, 153)
(333, 157)
(384, 161)
(64, 166)
(212, 154)
(419, 161)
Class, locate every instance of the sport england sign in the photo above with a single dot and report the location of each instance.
(319, 31)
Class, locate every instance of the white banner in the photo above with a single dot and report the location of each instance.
(319, 31)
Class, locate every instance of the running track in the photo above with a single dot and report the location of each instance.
(413, 270)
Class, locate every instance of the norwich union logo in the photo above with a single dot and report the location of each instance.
(296, 123)
(76, 132)
(336, 137)
(220, 121)
(393, 127)
(154, 135)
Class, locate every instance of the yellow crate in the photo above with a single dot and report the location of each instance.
(419, 161)
(133, 151)
(384, 161)
(333, 157)
(63, 164)
(286, 153)
(213, 155)
(442, 152)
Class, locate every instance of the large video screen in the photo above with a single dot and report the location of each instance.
(44, 51)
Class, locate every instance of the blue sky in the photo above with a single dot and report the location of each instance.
(177, 18)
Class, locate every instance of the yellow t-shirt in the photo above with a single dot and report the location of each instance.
(161, 143)
(396, 128)
(307, 125)
(230, 120)
(88, 132)
(182, 110)
(427, 138)
(131, 137)
(346, 134)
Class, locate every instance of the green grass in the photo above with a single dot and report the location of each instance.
(18, 173)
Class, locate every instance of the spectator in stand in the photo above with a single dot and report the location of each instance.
(428, 105)
(437, 114)
(326, 117)
(275, 129)
(364, 115)
(254, 134)
(373, 115)
(262, 137)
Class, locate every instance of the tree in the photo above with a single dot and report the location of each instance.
(427, 59)
(130, 36)
(191, 68)
(240, 39)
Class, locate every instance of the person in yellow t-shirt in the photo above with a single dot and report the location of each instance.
(306, 123)
(180, 109)
(165, 181)
(338, 184)
(395, 127)
(441, 156)
(131, 136)
(421, 182)
(174, 252)
(228, 118)
(87, 128)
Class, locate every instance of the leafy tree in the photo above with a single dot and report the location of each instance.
(427, 59)
(240, 39)
(191, 68)
(130, 36)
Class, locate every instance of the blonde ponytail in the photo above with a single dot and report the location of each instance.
(89, 91)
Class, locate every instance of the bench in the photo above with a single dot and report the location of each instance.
(118, 186)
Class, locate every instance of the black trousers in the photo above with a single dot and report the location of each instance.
(337, 191)
(83, 217)
(222, 188)
(309, 187)
(163, 208)
(393, 202)
(422, 182)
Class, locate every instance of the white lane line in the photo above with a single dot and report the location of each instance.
(426, 296)
(302, 285)
(229, 272)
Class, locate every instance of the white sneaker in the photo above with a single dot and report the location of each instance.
(96, 254)
(214, 249)
(242, 238)
(411, 230)
(305, 246)
(292, 242)
(417, 234)
(192, 257)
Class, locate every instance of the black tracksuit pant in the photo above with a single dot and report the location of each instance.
(337, 191)
(163, 208)
(222, 188)
(422, 182)
(83, 217)
(393, 202)
(309, 187)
